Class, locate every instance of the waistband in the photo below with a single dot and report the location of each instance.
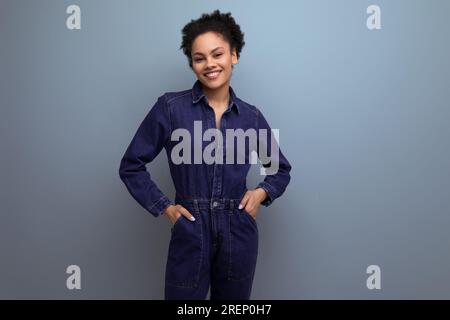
(213, 203)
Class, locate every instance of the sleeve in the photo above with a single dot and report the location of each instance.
(275, 163)
(151, 136)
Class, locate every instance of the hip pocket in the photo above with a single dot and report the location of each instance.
(243, 244)
(185, 252)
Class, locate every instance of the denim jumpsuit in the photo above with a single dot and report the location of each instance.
(219, 249)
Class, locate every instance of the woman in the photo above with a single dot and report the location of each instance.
(214, 239)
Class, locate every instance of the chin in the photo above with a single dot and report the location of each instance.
(212, 85)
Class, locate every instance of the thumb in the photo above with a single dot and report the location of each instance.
(243, 201)
(187, 214)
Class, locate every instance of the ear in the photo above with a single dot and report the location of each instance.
(234, 59)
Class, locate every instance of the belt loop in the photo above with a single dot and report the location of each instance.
(197, 210)
(232, 205)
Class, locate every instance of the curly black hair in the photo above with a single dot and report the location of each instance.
(222, 23)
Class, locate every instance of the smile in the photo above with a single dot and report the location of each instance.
(212, 75)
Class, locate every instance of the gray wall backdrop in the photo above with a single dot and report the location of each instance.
(363, 118)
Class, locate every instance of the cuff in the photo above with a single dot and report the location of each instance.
(270, 193)
(158, 208)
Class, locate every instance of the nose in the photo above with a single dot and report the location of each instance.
(210, 63)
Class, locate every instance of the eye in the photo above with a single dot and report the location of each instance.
(218, 55)
(198, 59)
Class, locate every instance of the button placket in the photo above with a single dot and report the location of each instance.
(217, 176)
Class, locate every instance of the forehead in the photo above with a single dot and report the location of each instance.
(208, 41)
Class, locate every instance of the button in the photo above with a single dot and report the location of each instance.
(215, 204)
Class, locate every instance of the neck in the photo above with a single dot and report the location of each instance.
(219, 96)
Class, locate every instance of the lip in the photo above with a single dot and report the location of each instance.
(211, 79)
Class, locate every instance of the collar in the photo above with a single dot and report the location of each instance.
(197, 95)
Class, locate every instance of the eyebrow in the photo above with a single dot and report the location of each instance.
(199, 53)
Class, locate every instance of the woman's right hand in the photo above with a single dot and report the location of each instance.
(174, 212)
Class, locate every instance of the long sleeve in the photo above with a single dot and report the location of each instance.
(277, 166)
(151, 136)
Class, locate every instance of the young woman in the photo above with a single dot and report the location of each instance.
(214, 238)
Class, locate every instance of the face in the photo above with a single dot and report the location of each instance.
(212, 60)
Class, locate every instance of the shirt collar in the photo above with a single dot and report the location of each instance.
(197, 95)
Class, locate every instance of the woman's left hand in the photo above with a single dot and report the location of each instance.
(252, 200)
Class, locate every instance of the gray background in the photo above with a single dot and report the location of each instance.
(363, 118)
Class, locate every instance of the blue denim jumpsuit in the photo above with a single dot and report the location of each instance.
(218, 250)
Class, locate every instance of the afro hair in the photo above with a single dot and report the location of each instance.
(222, 23)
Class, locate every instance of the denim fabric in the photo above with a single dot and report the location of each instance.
(218, 250)
(214, 181)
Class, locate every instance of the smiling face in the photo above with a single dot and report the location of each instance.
(212, 60)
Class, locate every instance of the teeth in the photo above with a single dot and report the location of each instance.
(212, 74)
